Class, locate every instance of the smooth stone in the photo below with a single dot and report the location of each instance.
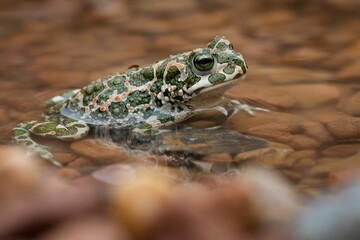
(341, 150)
(98, 151)
(326, 166)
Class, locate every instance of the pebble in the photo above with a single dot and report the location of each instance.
(145, 197)
(262, 94)
(86, 228)
(68, 173)
(304, 56)
(317, 131)
(98, 151)
(270, 156)
(18, 172)
(299, 142)
(304, 163)
(64, 157)
(274, 126)
(350, 72)
(287, 75)
(291, 175)
(335, 165)
(341, 150)
(345, 127)
(298, 156)
(3, 116)
(81, 162)
(313, 95)
(352, 106)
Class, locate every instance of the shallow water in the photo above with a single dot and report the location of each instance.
(303, 66)
(304, 61)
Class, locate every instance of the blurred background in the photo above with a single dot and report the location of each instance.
(304, 61)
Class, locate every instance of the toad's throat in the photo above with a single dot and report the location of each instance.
(211, 96)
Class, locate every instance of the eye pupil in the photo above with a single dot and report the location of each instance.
(204, 62)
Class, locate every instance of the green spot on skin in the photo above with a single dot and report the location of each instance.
(241, 64)
(19, 132)
(156, 87)
(147, 112)
(172, 76)
(98, 86)
(89, 89)
(222, 46)
(144, 125)
(119, 79)
(22, 137)
(223, 57)
(148, 73)
(217, 78)
(116, 111)
(229, 69)
(79, 126)
(137, 98)
(164, 118)
(119, 109)
(44, 128)
(161, 69)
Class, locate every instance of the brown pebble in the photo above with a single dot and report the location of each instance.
(341, 150)
(68, 173)
(64, 157)
(313, 95)
(98, 151)
(350, 72)
(145, 197)
(273, 131)
(85, 228)
(285, 122)
(19, 173)
(291, 175)
(303, 158)
(269, 156)
(3, 116)
(317, 131)
(81, 162)
(299, 142)
(345, 127)
(262, 94)
(286, 75)
(304, 163)
(304, 56)
(313, 182)
(352, 106)
(335, 165)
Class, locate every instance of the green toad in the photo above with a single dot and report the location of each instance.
(149, 97)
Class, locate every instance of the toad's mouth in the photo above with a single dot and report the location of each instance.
(219, 87)
(211, 96)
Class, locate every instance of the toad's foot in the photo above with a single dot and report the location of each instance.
(238, 106)
(65, 129)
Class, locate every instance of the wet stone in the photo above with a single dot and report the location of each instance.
(350, 72)
(341, 150)
(335, 165)
(352, 106)
(345, 127)
(99, 152)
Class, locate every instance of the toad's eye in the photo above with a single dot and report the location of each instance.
(203, 62)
